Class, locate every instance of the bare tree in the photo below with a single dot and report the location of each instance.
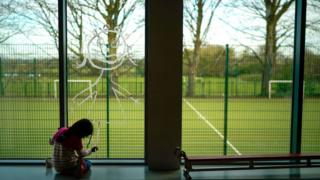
(113, 14)
(76, 15)
(277, 29)
(10, 22)
(45, 13)
(274, 10)
(313, 23)
(198, 17)
(76, 27)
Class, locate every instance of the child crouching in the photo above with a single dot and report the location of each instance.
(68, 151)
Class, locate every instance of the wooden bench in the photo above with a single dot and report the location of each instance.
(246, 162)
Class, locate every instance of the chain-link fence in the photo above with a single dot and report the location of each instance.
(256, 118)
(247, 110)
(29, 106)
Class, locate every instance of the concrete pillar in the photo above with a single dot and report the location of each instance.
(163, 83)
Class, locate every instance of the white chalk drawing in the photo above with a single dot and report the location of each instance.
(97, 56)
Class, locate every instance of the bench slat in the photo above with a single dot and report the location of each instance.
(267, 157)
(247, 161)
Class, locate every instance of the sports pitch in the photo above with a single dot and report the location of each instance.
(255, 126)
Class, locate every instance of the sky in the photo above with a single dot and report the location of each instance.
(222, 31)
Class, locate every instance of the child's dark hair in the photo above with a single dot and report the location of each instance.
(81, 129)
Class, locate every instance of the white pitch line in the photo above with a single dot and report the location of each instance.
(212, 127)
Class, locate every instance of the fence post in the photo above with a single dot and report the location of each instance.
(107, 105)
(254, 87)
(136, 81)
(25, 89)
(237, 76)
(226, 101)
(1, 80)
(48, 89)
(203, 89)
(232, 88)
(210, 92)
(34, 77)
(209, 89)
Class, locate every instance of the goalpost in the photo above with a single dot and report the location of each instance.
(279, 82)
(56, 81)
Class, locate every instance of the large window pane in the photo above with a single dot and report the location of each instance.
(103, 53)
(106, 74)
(29, 113)
(258, 108)
(311, 111)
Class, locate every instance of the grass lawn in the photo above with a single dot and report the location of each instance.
(255, 125)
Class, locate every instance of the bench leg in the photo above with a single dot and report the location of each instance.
(186, 174)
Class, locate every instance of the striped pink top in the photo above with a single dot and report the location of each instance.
(64, 153)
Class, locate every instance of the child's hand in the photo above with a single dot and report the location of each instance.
(94, 149)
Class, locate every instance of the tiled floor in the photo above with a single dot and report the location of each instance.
(140, 172)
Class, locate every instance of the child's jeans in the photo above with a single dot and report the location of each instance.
(80, 170)
(87, 163)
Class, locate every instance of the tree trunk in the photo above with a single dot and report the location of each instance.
(191, 78)
(115, 79)
(266, 76)
(1, 82)
(270, 55)
(112, 36)
(193, 65)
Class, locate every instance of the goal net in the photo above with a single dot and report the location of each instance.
(74, 85)
(274, 83)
